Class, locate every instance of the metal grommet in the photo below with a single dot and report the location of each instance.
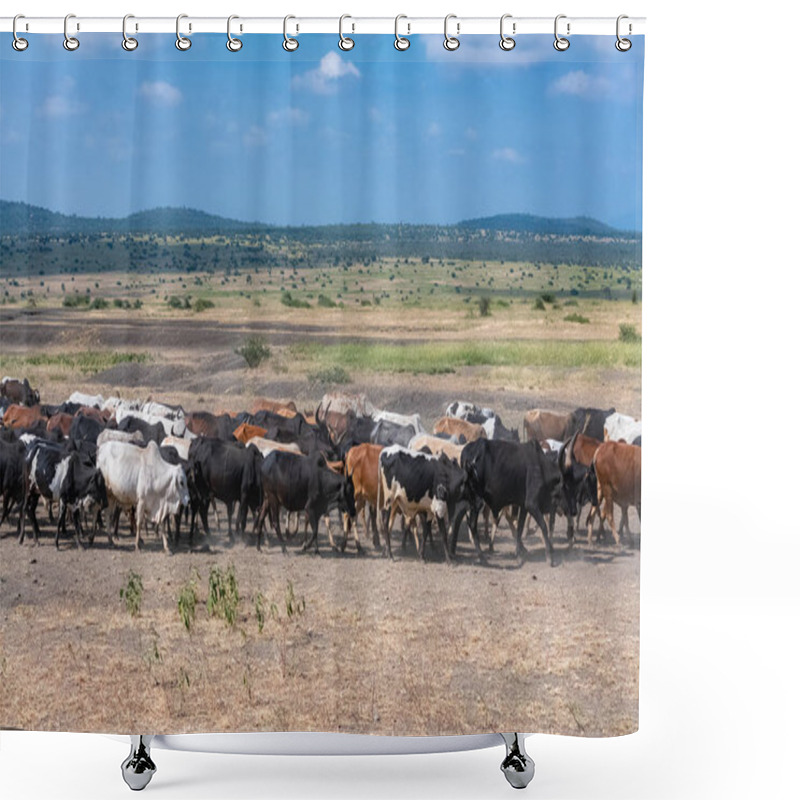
(289, 43)
(233, 44)
(561, 43)
(623, 45)
(128, 42)
(507, 42)
(400, 42)
(345, 42)
(181, 42)
(18, 43)
(70, 42)
(451, 43)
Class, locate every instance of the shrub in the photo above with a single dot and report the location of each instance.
(547, 297)
(99, 303)
(570, 302)
(76, 301)
(539, 304)
(484, 305)
(634, 297)
(335, 374)
(182, 303)
(579, 318)
(202, 304)
(187, 601)
(293, 302)
(131, 593)
(253, 351)
(628, 333)
(325, 302)
(223, 594)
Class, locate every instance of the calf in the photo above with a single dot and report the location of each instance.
(618, 470)
(18, 416)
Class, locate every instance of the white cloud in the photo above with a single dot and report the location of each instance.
(161, 93)
(582, 84)
(289, 115)
(324, 78)
(255, 136)
(56, 106)
(508, 154)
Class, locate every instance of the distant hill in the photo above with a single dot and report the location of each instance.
(528, 223)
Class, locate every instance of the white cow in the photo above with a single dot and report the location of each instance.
(462, 410)
(266, 446)
(621, 427)
(119, 405)
(113, 435)
(138, 477)
(341, 402)
(93, 400)
(162, 410)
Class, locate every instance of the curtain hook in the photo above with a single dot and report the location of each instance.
(70, 42)
(181, 42)
(289, 43)
(128, 42)
(345, 42)
(233, 44)
(561, 43)
(507, 42)
(19, 44)
(623, 45)
(400, 42)
(450, 42)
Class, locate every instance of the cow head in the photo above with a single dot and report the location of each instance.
(180, 489)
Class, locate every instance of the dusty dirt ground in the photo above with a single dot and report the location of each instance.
(390, 648)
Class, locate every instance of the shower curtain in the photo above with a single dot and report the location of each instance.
(309, 362)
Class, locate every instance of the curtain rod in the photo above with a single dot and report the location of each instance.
(408, 26)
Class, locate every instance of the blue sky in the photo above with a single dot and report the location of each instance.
(321, 136)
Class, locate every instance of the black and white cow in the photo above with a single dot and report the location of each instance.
(57, 475)
(506, 474)
(301, 483)
(417, 483)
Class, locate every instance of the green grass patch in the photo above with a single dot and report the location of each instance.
(628, 333)
(85, 361)
(333, 374)
(579, 318)
(253, 351)
(293, 302)
(432, 358)
(202, 304)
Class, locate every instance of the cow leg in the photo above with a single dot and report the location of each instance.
(160, 529)
(140, 523)
(327, 519)
(415, 523)
(521, 550)
(607, 512)
(61, 525)
(443, 532)
(30, 510)
(538, 518)
(388, 523)
(373, 520)
(313, 520)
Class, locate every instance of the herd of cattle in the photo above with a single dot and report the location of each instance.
(163, 466)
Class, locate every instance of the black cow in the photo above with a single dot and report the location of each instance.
(151, 433)
(301, 483)
(389, 433)
(589, 422)
(417, 483)
(54, 474)
(12, 477)
(85, 429)
(226, 471)
(511, 474)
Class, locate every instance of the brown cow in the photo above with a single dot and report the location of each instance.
(19, 391)
(17, 416)
(451, 426)
(244, 433)
(618, 468)
(60, 421)
(361, 464)
(540, 424)
(437, 446)
(94, 413)
(284, 408)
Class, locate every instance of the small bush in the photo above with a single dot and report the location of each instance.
(131, 593)
(223, 594)
(547, 297)
(99, 303)
(335, 374)
(628, 333)
(76, 301)
(253, 351)
(187, 601)
(579, 318)
(325, 302)
(570, 302)
(202, 304)
(182, 303)
(539, 304)
(484, 306)
(293, 302)
(634, 297)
